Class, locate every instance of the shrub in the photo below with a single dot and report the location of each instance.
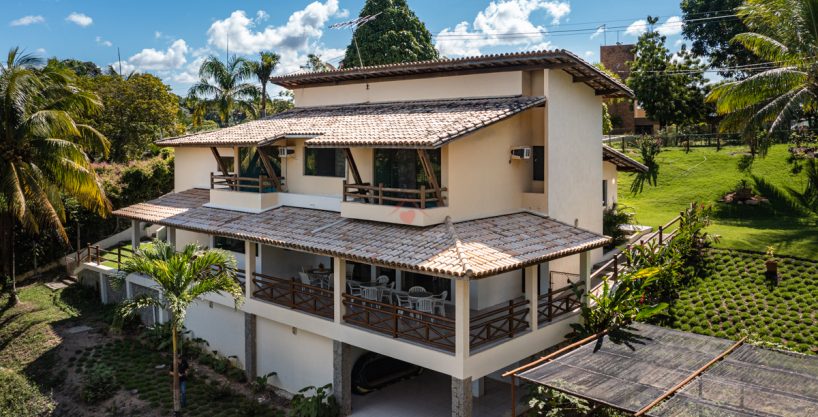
(19, 397)
(99, 384)
(612, 221)
(322, 404)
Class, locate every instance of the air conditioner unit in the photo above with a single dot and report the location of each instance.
(521, 152)
(286, 151)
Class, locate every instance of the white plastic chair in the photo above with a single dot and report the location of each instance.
(354, 288)
(382, 280)
(417, 290)
(426, 305)
(438, 301)
(308, 280)
(386, 292)
(371, 293)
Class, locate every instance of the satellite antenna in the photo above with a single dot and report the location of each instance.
(355, 24)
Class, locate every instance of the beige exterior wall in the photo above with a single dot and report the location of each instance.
(300, 358)
(221, 326)
(609, 175)
(292, 169)
(461, 86)
(193, 165)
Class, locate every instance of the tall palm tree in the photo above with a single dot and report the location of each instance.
(263, 69)
(181, 279)
(224, 86)
(784, 36)
(43, 151)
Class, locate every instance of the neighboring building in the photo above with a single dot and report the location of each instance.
(627, 116)
(475, 179)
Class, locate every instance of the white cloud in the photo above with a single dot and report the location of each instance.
(261, 16)
(588, 54)
(637, 28)
(672, 26)
(80, 19)
(157, 34)
(103, 42)
(303, 27)
(190, 74)
(27, 20)
(678, 42)
(600, 30)
(501, 23)
(40, 51)
(151, 59)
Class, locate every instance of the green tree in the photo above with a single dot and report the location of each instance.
(138, 110)
(224, 86)
(670, 90)
(710, 36)
(181, 279)
(263, 69)
(81, 68)
(315, 63)
(43, 151)
(783, 33)
(396, 35)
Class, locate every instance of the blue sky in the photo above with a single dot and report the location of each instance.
(170, 38)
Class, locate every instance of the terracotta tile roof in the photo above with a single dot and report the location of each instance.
(581, 70)
(413, 124)
(474, 248)
(623, 162)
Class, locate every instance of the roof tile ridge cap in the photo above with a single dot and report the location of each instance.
(545, 216)
(458, 246)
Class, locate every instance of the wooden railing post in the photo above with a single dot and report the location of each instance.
(628, 258)
(550, 304)
(119, 257)
(616, 268)
(380, 194)
(395, 322)
(344, 192)
(99, 257)
(423, 196)
(292, 294)
(212, 182)
(510, 319)
(660, 235)
(260, 183)
(89, 258)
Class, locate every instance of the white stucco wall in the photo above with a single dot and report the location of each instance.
(609, 174)
(299, 357)
(193, 165)
(284, 263)
(292, 169)
(474, 85)
(221, 326)
(488, 292)
(185, 237)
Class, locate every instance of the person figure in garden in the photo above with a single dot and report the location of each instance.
(183, 367)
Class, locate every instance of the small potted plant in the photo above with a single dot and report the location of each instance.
(743, 191)
(771, 263)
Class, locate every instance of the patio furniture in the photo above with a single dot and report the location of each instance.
(354, 288)
(417, 290)
(403, 301)
(324, 276)
(386, 292)
(382, 280)
(308, 280)
(426, 305)
(371, 293)
(438, 301)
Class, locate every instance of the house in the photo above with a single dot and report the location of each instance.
(440, 213)
(627, 116)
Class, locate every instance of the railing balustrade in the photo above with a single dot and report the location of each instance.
(408, 197)
(294, 294)
(500, 323)
(233, 182)
(560, 301)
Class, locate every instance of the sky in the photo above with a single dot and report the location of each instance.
(171, 38)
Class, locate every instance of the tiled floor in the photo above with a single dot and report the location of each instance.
(429, 395)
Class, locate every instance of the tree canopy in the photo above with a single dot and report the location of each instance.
(670, 89)
(396, 35)
(224, 87)
(712, 37)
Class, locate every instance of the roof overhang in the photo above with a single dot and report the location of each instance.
(623, 162)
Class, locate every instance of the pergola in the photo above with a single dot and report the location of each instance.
(662, 372)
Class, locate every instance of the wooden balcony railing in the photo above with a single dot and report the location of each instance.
(560, 301)
(295, 295)
(378, 194)
(233, 182)
(501, 323)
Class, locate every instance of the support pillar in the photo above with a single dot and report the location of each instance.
(585, 272)
(171, 231)
(339, 284)
(342, 375)
(461, 397)
(250, 367)
(478, 387)
(103, 288)
(462, 320)
(136, 234)
(128, 289)
(161, 318)
(249, 268)
(532, 295)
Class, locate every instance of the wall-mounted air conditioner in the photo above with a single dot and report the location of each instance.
(521, 152)
(286, 151)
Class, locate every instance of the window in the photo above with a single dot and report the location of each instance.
(401, 168)
(228, 244)
(227, 162)
(605, 193)
(539, 163)
(324, 162)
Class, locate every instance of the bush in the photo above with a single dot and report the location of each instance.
(612, 221)
(99, 385)
(21, 398)
(322, 404)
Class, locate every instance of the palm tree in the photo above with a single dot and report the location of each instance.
(263, 69)
(784, 35)
(181, 279)
(223, 86)
(43, 151)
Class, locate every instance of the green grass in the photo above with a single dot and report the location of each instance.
(110, 258)
(705, 175)
(736, 299)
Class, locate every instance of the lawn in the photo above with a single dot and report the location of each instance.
(705, 175)
(736, 299)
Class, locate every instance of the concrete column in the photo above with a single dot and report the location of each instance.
(250, 367)
(462, 319)
(585, 272)
(128, 289)
(136, 233)
(339, 284)
(342, 375)
(171, 231)
(461, 397)
(161, 318)
(532, 295)
(103, 288)
(478, 387)
(249, 268)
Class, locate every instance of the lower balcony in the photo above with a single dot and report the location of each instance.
(414, 207)
(312, 299)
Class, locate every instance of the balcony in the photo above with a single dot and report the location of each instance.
(414, 207)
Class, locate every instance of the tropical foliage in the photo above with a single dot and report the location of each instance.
(43, 150)
(613, 219)
(225, 88)
(648, 148)
(263, 69)
(181, 279)
(710, 29)
(783, 34)
(396, 35)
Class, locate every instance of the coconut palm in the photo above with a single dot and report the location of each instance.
(223, 86)
(784, 34)
(263, 69)
(43, 151)
(181, 278)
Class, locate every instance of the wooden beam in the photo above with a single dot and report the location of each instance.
(582, 79)
(430, 174)
(607, 92)
(356, 175)
(554, 354)
(219, 161)
(265, 159)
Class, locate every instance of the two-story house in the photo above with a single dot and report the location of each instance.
(437, 212)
